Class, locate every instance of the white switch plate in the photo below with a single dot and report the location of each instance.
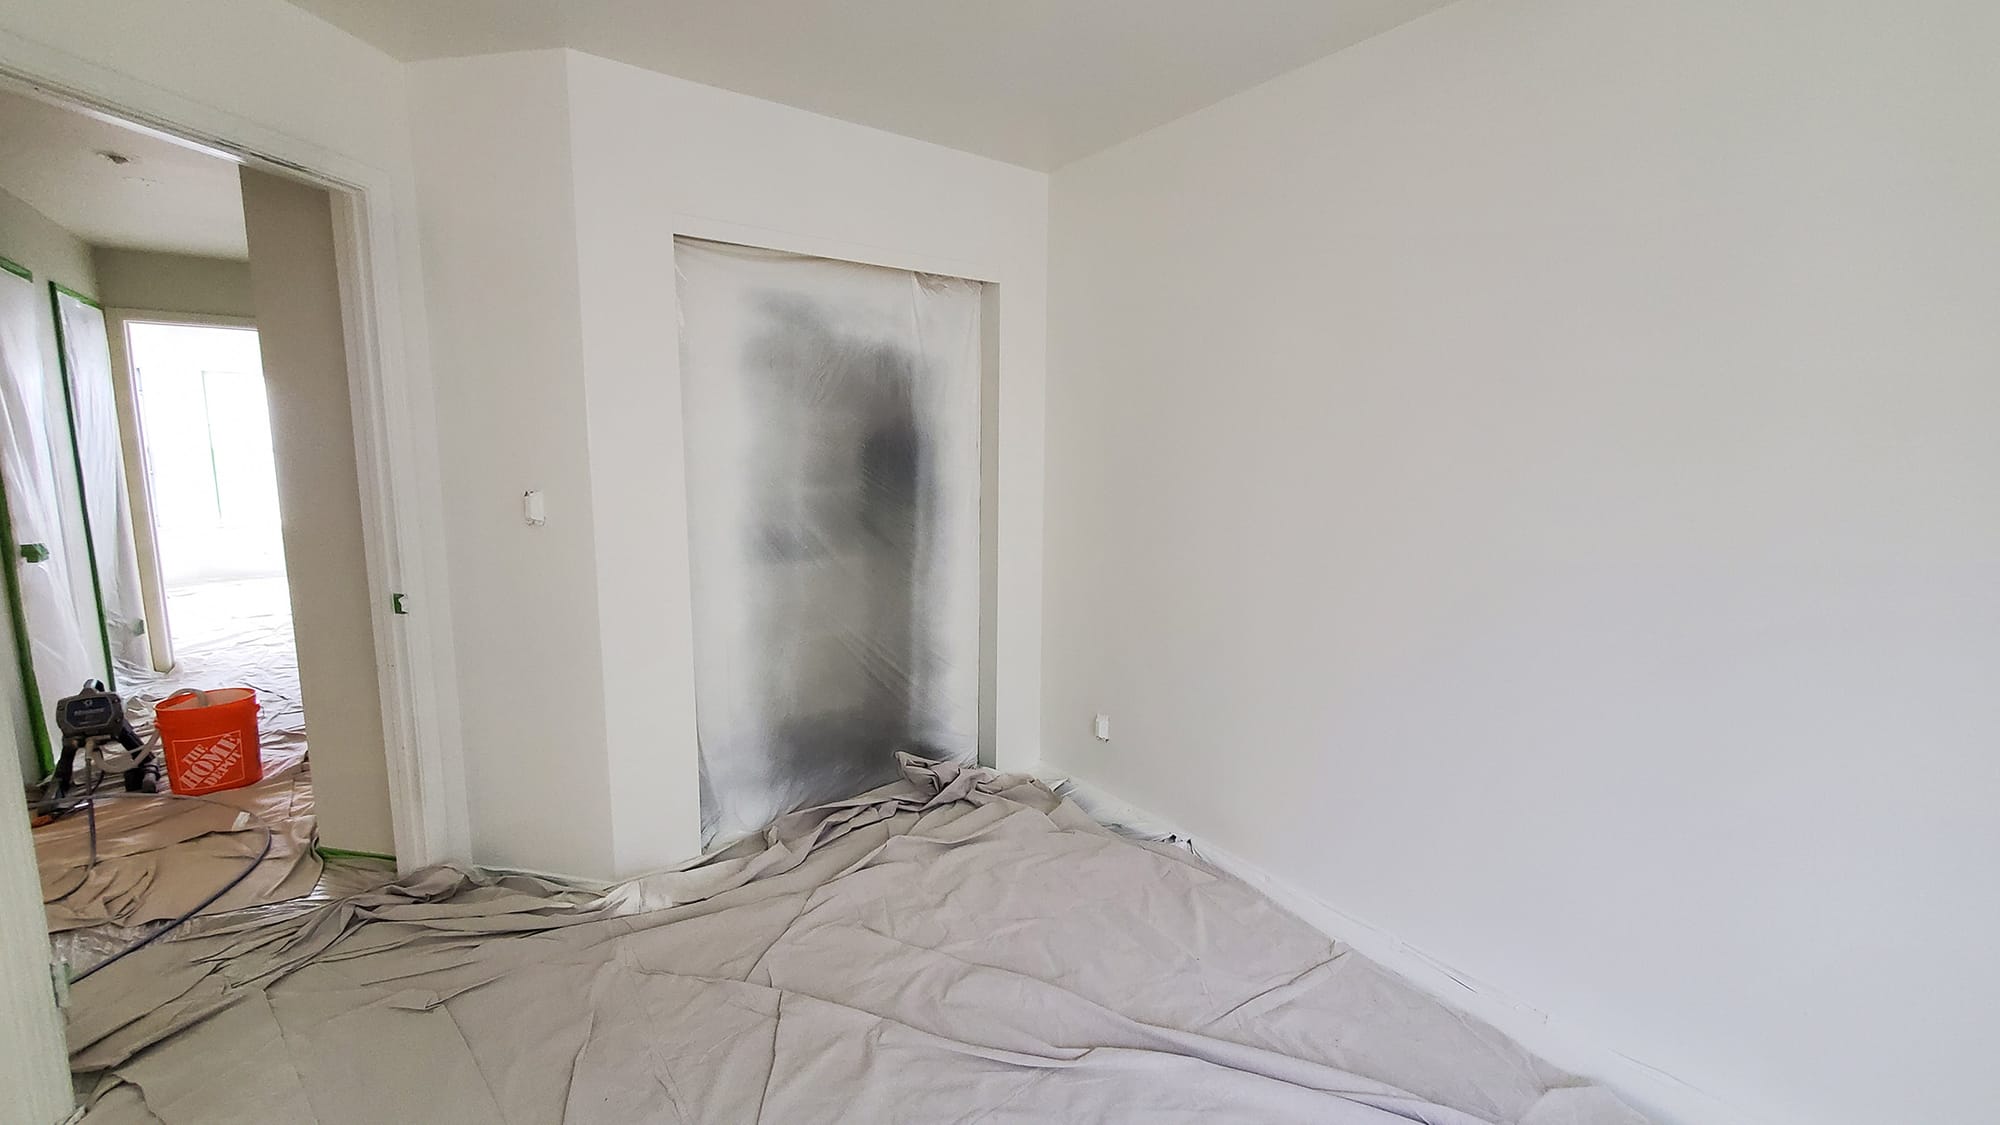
(1102, 728)
(533, 508)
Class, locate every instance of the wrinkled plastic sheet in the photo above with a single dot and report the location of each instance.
(339, 877)
(100, 461)
(976, 947)
(63, 647)
(832, 422)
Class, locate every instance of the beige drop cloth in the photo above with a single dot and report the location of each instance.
(959, 946)
(160, 856)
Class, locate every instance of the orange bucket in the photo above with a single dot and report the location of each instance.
(210, 739)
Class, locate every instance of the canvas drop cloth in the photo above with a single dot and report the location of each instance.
(956, 946)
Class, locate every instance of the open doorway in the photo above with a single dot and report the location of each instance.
(173, 342)
(219, 608)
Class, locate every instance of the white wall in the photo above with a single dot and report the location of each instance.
(182, 283)
(501, 264)
(1530, 480)
(549, 253)
(263, 62)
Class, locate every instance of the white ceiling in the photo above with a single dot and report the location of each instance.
(1032, 82)
(167, 198)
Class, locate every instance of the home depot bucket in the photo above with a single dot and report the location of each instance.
(210, 739)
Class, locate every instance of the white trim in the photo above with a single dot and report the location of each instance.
(815, 246)
(1662, 1097)
(402, 507)
(422, 779)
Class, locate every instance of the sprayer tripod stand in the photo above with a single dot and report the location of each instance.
(94, 727)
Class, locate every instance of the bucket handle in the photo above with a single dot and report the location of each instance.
(200, 697)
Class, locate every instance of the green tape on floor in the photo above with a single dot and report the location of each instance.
(343, 853)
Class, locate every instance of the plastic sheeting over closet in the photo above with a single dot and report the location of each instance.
(832, 422)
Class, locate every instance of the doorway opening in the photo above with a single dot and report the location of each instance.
(220, 606)
(173, 357)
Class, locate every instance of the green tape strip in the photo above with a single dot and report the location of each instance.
(57, 291)
(343, 853)
(66, 291)
(11, 551)
(16, 268)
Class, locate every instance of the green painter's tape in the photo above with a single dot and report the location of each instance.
(16, 268)
(66, 291)
(9, 552)
(57, 291)
(343, 853)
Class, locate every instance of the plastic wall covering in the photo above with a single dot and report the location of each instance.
(832, 422)
(107, 502)
(63, 647)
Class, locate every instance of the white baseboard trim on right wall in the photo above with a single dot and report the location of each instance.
(1662, 1097)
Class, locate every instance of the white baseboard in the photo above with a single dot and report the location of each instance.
(1659, 1095)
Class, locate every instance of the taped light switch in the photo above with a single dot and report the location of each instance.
(533, 509)
(1101, 727)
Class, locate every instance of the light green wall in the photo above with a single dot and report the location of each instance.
(145, 279)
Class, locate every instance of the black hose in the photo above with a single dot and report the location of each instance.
(90, 808)
(171, 926)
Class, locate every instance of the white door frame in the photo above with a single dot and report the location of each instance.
(401, 506)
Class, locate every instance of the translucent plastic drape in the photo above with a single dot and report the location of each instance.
(832, 421)
(107, 502)
(63, 647)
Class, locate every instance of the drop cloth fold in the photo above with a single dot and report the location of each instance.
(159, 856)
(957, 946)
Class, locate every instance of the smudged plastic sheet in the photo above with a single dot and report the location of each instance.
(832, 421)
